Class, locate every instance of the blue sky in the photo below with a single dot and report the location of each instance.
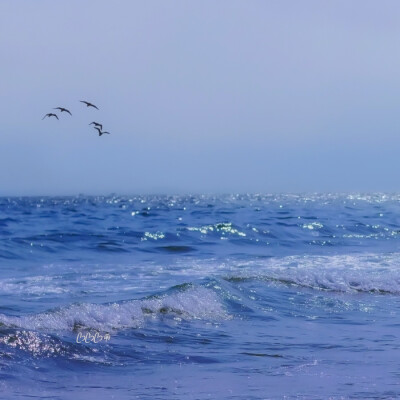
(200, 96)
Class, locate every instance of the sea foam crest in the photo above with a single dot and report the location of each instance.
(192, 303)
(343, 273)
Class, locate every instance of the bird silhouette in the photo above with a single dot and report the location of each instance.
(96, 124)
(88, 104)
(100, 131)
(62, 109)
(50, 115)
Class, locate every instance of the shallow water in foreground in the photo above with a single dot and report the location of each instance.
(198, 297)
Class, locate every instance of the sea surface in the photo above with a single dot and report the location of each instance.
(200, 297)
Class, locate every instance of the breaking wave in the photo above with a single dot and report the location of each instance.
(343, 273)
(187, 304)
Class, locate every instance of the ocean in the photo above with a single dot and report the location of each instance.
(200, 297)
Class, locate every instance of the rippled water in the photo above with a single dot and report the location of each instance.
(195, 297)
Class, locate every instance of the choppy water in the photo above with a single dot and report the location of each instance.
(240, 297)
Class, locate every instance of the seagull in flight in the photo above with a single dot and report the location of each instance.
(62, 109)
(88, 104)
(100, 132)
(96, 124)
(50, 115)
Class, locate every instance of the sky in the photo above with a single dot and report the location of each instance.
(199, 96)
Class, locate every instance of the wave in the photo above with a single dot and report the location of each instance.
(187, 304)
(341, 273)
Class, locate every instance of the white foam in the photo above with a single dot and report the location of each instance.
(193, 303)
(344, 273)
(32, 285)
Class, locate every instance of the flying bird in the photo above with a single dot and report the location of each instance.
(100, 131)
(62, 109)
(88, 104)
(50, 115)
(96, 124)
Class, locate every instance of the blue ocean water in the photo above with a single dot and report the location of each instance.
(200, 297)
